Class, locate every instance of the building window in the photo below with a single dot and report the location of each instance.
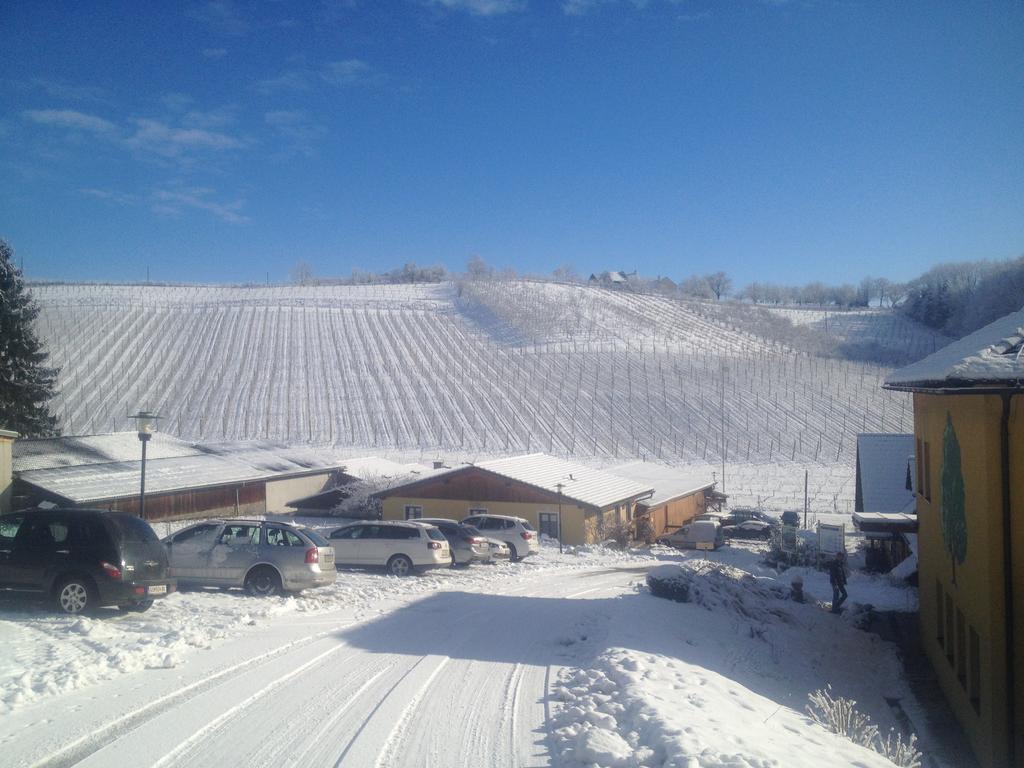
(477, 511)
(961, 648)
(927, 470)
(548, 524)
(413, 512)
(975, 688)
(950, 645)
(940, 628)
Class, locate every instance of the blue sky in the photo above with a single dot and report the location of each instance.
(780, 141)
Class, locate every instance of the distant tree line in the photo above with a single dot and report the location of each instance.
(962, 297)
(952, 298)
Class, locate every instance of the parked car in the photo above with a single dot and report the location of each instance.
(261, 556)
(739, 514)
(499, 550)
(82, 559)
(747, 529)
(467, 544)
(400, 546)
(697, 534)
(515, 532)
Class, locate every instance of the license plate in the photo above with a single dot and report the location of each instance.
(160, 589)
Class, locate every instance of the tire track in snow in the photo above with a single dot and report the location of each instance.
(113, 730)
(196, 738)
(393, 740)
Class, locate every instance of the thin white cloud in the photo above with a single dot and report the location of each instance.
(292, 80)
(482, 7)
(60, 89)
(69, 118)
(222, 16)
(121, 198)
(169, 141)
(173, 202)
(348, 72)
(299, 131)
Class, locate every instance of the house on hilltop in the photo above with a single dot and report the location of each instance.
(613, 279)
(969, 488)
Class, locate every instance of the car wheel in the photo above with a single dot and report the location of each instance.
(140, 607)
(75, 595)
(513, 555)
(263, 582)
(399, 565)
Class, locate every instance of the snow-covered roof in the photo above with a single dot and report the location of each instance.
(885, 522)
(589, 486)
(882, 468)
(592, 487)
(669, 482)
(88, 483)
(375, 467)
(51, 452)
(94, 467)
(992, 355)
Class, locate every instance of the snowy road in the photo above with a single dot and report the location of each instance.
(454, 678)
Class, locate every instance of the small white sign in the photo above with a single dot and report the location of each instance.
(705, 545)
(831, 538)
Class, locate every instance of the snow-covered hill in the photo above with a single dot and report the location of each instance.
(468, 369)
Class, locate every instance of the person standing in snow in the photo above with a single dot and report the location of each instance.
(837, 578)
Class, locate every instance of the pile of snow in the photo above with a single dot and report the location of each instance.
(724, 678)
(635, 709)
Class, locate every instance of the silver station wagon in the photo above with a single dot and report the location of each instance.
(261, 556)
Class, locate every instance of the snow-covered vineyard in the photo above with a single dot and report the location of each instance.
(472, 368)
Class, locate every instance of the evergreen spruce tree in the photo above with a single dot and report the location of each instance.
(26, 384)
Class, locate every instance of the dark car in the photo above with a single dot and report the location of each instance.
(80, 559)
(740, 514)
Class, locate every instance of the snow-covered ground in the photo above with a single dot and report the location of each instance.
(560, 660)
(502, 368)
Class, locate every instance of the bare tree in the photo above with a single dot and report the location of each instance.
(302, 273)
(478, 269)
(719, 283)
(566, 273)
(696, 287)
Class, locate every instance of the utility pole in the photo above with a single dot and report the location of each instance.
(723, 426)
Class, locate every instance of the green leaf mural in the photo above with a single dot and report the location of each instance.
(954, 513)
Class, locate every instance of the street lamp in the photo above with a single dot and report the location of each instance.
(559, 486)
(145, 423)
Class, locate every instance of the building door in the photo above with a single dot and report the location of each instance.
(547, 523)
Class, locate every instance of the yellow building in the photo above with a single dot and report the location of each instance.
(969, 448)
(7, 439)
(551, 493)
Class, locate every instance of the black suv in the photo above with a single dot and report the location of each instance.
(81, 559)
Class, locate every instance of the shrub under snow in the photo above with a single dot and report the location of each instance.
(840, 716)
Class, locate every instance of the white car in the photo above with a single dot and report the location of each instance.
(515, 532)
(400, 547)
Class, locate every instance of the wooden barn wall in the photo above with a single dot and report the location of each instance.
(673, 514)
(203, 502)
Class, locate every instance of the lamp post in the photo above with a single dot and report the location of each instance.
(560, 486)
(145, 423)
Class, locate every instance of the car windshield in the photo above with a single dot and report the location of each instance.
(435, 534)
(472, 530)
(526, 525)
(315, 537)
(133, 529)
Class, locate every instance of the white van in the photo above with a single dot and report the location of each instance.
(697, 534)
